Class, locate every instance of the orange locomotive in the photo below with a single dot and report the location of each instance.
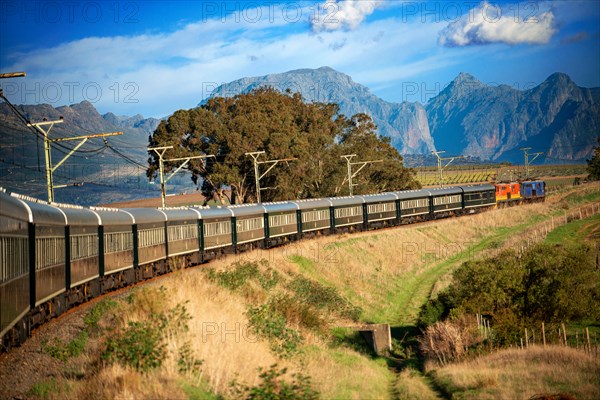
(508, 193)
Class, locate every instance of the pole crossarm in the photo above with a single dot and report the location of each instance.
(273, 164)
(440, 167)
(12, 75)
(527, 160)
(349, 164)
(48, 150)
(185, 160)
(257, 175)
(86, 137)
(160, 151)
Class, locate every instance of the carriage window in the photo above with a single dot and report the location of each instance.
(217, 228)
(348, 212)
(250, 224)
(183, 232)
(84, 246)
(282, 219)
(315, 215)
(381, 208)
(14, 257)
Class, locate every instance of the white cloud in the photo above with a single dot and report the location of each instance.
(157, 73)
(345, 14)
(487, 23)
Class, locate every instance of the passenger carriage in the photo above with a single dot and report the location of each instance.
(347, 212)
(183, 232)
(414, 204)
(216, 225)
(315, 215)
(249, 224)
(381, 209)
(445, 200)
(281, 221)
(16, 220)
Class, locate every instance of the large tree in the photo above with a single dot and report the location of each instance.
(284, 127)
(593, 167)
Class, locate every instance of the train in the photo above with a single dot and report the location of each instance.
(56, 256)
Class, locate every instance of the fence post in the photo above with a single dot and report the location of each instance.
(587, 334)
(564, 332)
(543, 335)
(526, 339)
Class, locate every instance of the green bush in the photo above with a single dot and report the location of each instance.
(265, 323)
(549, 283)
(142, 344)
(241, 273)
(273, 387)
(323, 297)
(62, 351)
(92, 318)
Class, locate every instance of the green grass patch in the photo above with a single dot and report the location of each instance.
(198, 391)
(576, 231)
(45, 388)
(63, 351)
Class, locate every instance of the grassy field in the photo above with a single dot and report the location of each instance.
(385, 276)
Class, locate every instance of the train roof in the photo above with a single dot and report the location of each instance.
(214, 212)
(445, 191)
(280, 206)
(346, 201)
(79, 216)
(37, 211)
(477, 188)
(310, 204)
(13, 208)
(245, 210)
(113, 216)
(181, 213)
(381, 197)
(413, 194)
(146, 215)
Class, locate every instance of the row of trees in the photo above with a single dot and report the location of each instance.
(283, 126)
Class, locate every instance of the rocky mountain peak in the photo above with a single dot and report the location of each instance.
(404, 123)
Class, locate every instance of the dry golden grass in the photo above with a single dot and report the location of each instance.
(219, 331)
(410, 385)
(521, 374)
(345, 374)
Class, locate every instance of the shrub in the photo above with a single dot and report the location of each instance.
(265, 323)
(142, 344)
(241, 273)
(92, 318)
(323, 297)
(62, 351)
(273, 386)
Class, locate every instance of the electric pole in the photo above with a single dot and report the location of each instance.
(349, 164)
(258, 177)
(7, 75)
(160, 151)
(527, 160)
(48, 150)
(440, 159)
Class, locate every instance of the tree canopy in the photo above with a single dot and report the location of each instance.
(283, 126)
(593, 167)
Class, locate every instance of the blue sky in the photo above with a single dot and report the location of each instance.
(155, 57)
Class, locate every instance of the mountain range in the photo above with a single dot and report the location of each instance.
(467, 117)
